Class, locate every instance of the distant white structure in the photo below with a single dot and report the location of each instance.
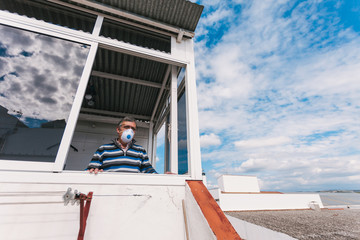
(242, 193)
(239, 184)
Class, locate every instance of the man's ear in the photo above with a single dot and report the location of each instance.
(117, 129)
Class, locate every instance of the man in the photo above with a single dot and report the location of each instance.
(122, 155)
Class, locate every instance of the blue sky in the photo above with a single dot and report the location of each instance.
(280, 97)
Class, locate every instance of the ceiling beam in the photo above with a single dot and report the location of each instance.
(114, 114)
(112, 18)
(134, 17)
(125, 79)
(110, 120)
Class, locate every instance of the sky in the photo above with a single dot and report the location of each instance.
(278, 87)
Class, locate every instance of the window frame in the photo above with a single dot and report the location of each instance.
(28, 24)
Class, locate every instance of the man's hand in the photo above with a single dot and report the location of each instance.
(95, 170)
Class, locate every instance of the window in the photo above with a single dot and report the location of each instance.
(160, 151)
(39, 76)
(182, 136)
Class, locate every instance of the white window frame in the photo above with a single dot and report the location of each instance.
(28, 24)
(192, 118)
(174, 122)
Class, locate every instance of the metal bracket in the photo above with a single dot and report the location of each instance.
(71, 197)
(180, 36)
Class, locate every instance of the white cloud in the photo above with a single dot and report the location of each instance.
(161, 136)
(209, 140)
(216, 16)
(38, 73)
(182, 144)
(262, 142)
(285, 92)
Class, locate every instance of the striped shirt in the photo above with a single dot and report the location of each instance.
(112, 158)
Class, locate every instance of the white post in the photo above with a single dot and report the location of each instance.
(174, 122)
(150, 144)
(192, 120)
(75, 111)
(153, 154)
(98, 24)
(166, 146)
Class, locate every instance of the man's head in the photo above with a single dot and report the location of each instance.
(126, 124)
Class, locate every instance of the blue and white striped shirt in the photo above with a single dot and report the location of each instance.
(112, 158)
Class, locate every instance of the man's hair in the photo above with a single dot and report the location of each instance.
(127, 119)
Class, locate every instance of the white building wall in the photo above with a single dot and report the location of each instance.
(198, 226)
(215, 193)
(234, 183)
(124, 206)
(243, 202)
(204, 179)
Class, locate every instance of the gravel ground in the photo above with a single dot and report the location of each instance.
(308, 224)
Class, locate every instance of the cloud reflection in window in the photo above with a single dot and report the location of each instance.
(39, 76)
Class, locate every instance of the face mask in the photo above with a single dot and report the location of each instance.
(127, 135)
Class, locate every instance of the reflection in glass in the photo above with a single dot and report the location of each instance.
(182, 136)
(39, 76)
(160, 150)
(181, 76)
(167, 162)
(51, 13)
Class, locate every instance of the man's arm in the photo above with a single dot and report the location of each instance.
(145, 165)
(95, 164)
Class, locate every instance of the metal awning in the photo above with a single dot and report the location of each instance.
(120, 83)
(178, 13)
(124, 84)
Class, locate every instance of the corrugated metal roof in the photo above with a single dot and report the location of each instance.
(115, 96)
(179, 13)
(68, 17)
(129, 66)
(126, 33)
(51, 13)
(124, 97)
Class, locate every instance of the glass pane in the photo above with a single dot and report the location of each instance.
(39, 76)
(51, 13)
(136, 36)
(181, 76)
(160, 150)
(167, 144)
(182, 136)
